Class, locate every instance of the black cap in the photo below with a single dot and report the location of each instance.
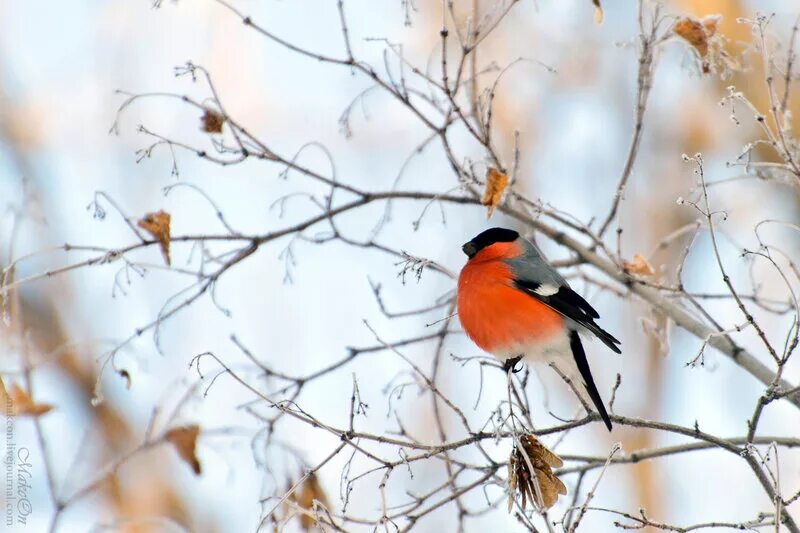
(488, 238)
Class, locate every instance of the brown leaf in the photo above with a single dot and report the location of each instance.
(184, 439)
(710, 24)
(22, 404)
(694, 33)
(157, 225)
(496, 183)
(212, 121)
(639, 266)
(309, 492)
(699, 33)
(598, 12)
(543, 487)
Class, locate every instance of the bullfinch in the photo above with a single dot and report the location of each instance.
(514, 305)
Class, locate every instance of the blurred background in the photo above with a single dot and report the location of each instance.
(61, 64)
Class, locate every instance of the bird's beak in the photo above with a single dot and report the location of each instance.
(469, 249)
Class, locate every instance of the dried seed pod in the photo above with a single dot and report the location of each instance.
(541, 486)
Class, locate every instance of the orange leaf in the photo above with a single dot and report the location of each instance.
(157, 225)
(639, 266)
(698, 33)
(184, 439)
(212, 121)
(710, 24)
(24, 405)
(693, 32)
(496, 183)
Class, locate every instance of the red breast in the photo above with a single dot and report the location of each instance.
(495, 314)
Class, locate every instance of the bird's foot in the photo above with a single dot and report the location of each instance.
(511, 363)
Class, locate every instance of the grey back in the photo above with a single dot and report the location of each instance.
(531, 266)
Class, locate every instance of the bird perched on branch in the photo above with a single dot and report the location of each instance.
(514, 305)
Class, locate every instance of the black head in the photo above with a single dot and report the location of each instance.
(488, 238)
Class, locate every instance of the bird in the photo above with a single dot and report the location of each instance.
(514, 305)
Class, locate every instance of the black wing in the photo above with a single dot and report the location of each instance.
(571, 305)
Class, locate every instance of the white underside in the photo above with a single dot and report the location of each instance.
(553, 349)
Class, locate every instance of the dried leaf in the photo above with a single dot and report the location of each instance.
(212, 121)
(598, 12)
(693, 32)
(184, 439)
(710, 24)
(698, 33)
(512, 479)
(157, 225)
(22, 404)
(309, 492)
(543, 487)
(639, 266)
(496, 183)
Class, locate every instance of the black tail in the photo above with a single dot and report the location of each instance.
(586, 374)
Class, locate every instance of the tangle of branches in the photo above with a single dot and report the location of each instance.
(453, 97)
